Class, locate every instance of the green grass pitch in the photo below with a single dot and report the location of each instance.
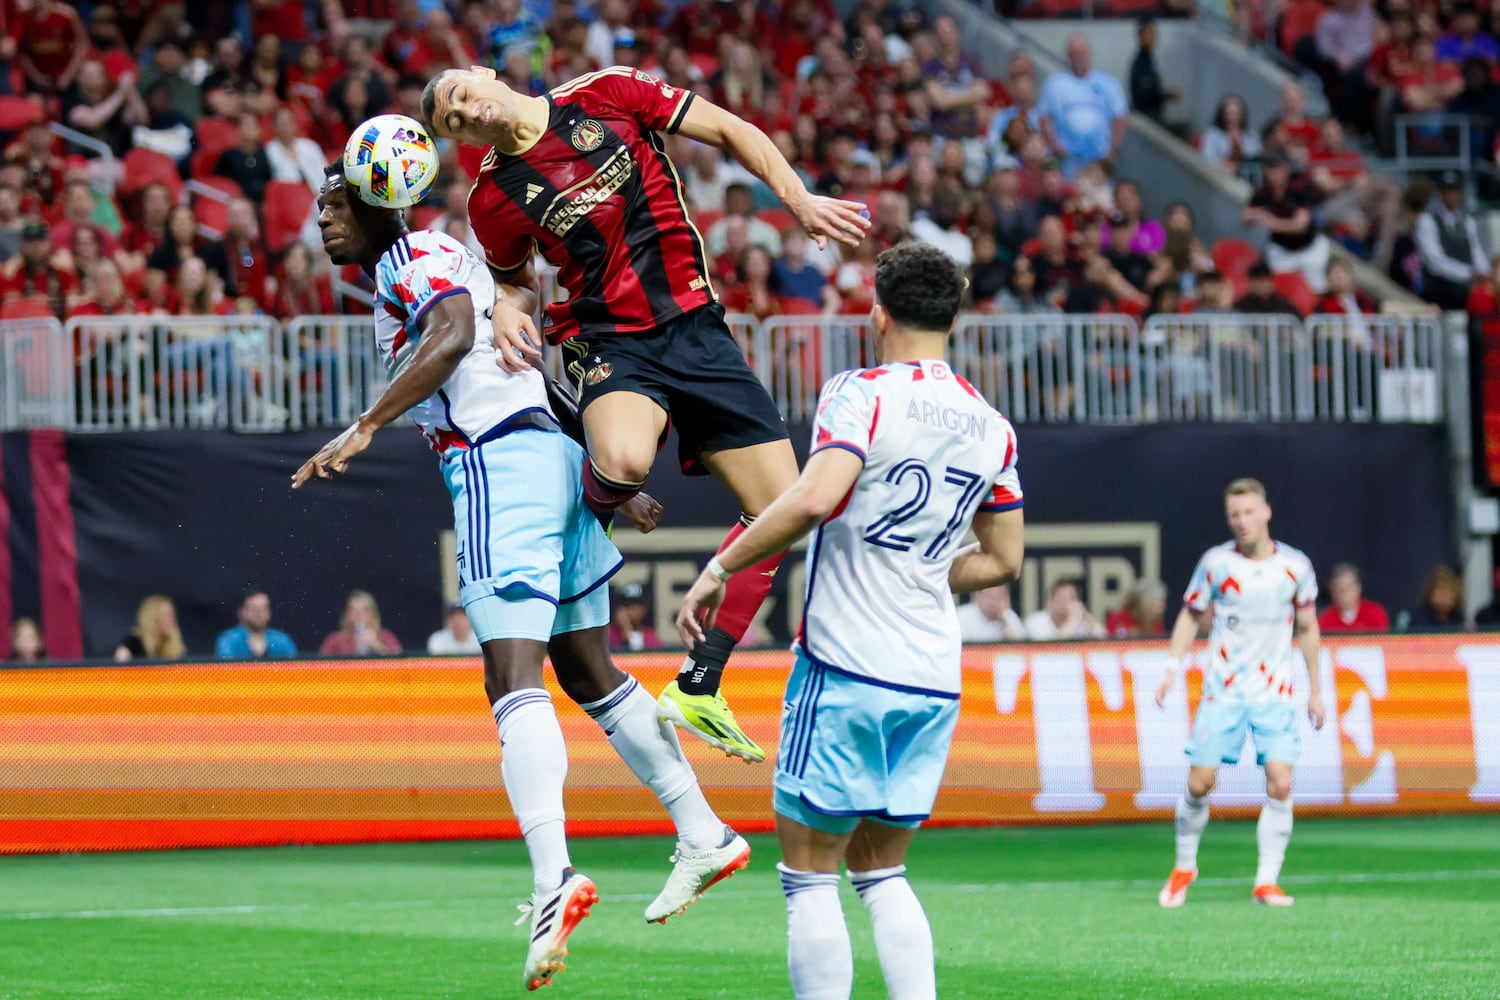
(1386, 908)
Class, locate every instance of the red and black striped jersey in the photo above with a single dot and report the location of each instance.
(598, 196)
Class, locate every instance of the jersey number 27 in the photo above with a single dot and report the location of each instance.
(884, 532)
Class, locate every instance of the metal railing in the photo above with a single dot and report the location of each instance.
(251, 373)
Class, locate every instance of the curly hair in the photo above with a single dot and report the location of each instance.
(920, 286)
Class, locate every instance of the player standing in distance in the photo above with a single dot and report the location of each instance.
(532, 558)
(1261, 592)
(581, 175)
(905, 458)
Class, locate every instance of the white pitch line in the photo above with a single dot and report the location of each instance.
(642, 897)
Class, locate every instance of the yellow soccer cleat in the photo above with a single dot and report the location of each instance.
(709, 718)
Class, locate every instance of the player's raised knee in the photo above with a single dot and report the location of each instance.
(1279, 786)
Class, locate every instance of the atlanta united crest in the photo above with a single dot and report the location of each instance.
(598, 373)
(587, 136)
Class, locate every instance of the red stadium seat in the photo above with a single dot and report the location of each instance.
(201, 166)
(799, 307)
(778, 217)
(1233, 257)
(1292, 285)
(212, 212)
(423, 216)
(29, 307)
(216, 135)
(287, 206)
(705, 221)
(145, 166)
(18, 112)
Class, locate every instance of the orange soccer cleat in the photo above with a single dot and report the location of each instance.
(1271, 895)
(1174, 893)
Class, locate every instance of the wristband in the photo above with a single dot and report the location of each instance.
(717, 570)
(1174, 665)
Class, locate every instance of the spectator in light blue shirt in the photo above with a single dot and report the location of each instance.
(253, 638)
(1084, 113)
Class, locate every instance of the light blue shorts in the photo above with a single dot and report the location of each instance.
(1219, 732)
(532, 558)
(853, 749)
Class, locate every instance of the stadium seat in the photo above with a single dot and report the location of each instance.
(705, 221)
(799, 307)
(18, 112)
(201, 166)
(213, 211)
(287, 206)
(145, 166)
(29, 307)
(1233, 257)
(216, 135)
(1292, 285)
(780, 218)
(423, 216)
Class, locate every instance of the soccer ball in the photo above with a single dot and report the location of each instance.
(391, 161)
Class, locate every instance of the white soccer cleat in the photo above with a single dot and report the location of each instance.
(1174, 893)
(693, 872)
(1271, 895)
(553, 918)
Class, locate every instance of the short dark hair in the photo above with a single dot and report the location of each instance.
(920, 286)
(1343, 569)
(429, 99)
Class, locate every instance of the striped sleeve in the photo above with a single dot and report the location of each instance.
(846, 418)
(1005, 493)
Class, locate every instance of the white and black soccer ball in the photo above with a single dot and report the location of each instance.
(391, 160)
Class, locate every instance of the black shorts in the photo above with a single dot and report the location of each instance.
(693, 369)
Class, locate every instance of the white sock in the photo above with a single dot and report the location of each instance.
(818, 953)
(628, 716)
(1272, 832)
(534, 764)
(903, 938)
(1192, 817)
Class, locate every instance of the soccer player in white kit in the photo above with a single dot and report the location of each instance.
(1261, 593)
(905, 458)
(532, 558)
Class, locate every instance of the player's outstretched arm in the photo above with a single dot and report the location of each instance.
(823, 218)
(447, 336)
(994, 559)
(517, 292)
(1184, 631)
(825, 481)
(1310, 641)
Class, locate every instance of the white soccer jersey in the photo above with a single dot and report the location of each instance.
(1255, 603)
(878, 604)
(417, 271)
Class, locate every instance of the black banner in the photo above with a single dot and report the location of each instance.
(200, 516)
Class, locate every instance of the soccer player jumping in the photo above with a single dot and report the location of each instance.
(906, 457)
(1261, 593)
(580, 174)
(532, 559)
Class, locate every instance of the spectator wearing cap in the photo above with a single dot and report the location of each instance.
(609, 27)
(1084, 114)
(253, 638)
(1148, 94)
(1285, 211)
(32, 273)
(630, 628)
(739, 203)
(456, 635)
(1448, 244)
(1466, 40)
(1262, 298)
